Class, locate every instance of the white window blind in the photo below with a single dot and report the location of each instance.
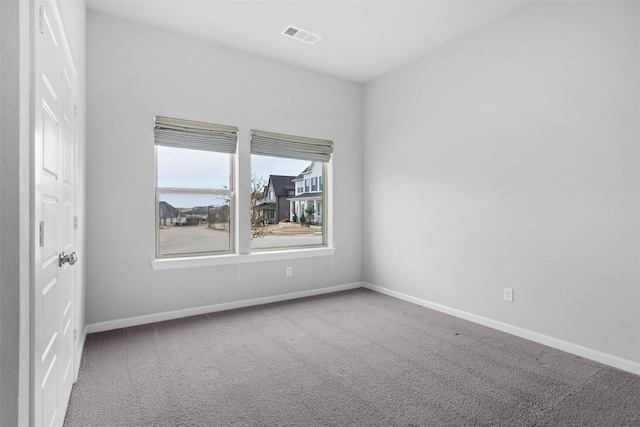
(290, 146)
(188, 134)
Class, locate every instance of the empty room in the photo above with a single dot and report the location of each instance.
(320, 213)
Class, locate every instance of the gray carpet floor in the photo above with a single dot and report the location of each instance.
(354, 358)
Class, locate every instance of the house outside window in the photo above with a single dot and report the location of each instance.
(275, 208)
(309, 203)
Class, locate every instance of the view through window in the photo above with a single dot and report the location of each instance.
(196, 199)
(194, 202)
(284, 212)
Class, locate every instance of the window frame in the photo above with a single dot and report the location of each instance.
(240, 251)
(276, 254)
(201, 191)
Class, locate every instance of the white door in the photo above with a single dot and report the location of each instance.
(54, 215)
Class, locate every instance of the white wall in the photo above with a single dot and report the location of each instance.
(135, 72)
(11, 253)
(521, 141)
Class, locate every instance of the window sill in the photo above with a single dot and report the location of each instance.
(213, 260)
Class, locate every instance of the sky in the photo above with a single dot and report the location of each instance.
(180, 168)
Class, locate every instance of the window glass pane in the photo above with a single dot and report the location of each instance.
(182, 168)
(193, 224)
(294, 217)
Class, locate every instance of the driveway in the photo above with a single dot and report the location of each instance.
(192, 238)
(200, 238)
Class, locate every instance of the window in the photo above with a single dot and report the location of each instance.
(194, 163)
(196, 200)
(289, 162)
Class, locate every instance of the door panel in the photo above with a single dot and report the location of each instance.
(67, 131)
(50, 141)
(54, 214)
(49, 392)
(49, 249)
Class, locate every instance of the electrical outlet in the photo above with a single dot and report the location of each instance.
(507, 294)
(289, 271)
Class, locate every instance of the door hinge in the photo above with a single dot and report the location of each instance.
(42, 234)
(40, 18)
(75, 222)
(75, 109)
(75, 335)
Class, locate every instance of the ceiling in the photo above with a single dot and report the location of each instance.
(361, 39)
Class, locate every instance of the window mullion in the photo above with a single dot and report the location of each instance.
(243, 196)
(213, 191)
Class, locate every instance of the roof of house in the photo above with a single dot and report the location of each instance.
(281, 184)
(199, 210)
(307, 196)
(264, 205)
(304, 172)
(168, 211)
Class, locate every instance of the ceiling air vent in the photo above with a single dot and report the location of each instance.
(302, 35)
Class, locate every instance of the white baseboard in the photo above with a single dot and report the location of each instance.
(578, 350)
(78, 356)
(588, 353)
(176, 314)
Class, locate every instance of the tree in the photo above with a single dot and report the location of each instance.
(310, 210)
(212, 219)
(257, 218)
(219, 213)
